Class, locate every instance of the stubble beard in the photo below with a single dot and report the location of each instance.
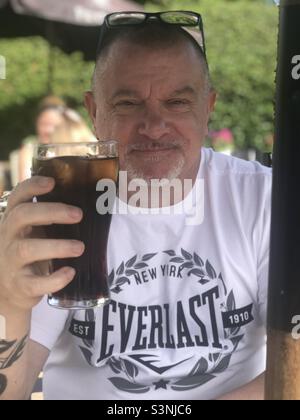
(134, 172)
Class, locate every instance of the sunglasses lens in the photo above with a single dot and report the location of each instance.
(180, 18)
(126, 19)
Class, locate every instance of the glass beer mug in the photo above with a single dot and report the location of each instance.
(77, 168)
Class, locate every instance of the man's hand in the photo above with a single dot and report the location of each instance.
(21, 285)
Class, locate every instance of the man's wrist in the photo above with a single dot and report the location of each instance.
(12, 320)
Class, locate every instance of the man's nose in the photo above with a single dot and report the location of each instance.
(153, 124)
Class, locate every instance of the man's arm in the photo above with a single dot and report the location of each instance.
(23, 285)
(252, 391)
(21, 359)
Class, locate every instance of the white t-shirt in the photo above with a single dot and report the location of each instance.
(187, 314)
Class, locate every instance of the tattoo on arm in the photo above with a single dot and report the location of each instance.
(3, 384)
(15, 351)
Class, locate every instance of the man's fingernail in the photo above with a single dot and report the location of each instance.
(44, 182)
(75, 213)
(77, 248)
(69, 272)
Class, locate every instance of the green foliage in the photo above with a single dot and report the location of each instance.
(241, 44)
(27, 81)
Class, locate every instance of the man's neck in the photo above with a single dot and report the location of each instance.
(157, 193)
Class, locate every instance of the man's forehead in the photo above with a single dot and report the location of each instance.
(124, 51)
(184, 90)
(133, 68)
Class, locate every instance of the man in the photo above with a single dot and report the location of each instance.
(188, 322)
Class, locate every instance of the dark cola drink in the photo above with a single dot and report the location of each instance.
(76, 180)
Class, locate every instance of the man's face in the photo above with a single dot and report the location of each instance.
(154, 102)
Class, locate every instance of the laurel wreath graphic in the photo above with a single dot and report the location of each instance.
(126, 270)
(193, 263)
(205, 369)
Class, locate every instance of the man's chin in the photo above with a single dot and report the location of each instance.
(149, 174)
(154, 170)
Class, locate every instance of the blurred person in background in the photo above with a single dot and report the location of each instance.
(47, 119)
(73, 129)
(55, 123)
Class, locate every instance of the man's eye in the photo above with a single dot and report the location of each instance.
(178, 102)
(126, 104)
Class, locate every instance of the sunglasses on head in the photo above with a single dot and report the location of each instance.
(191, 22)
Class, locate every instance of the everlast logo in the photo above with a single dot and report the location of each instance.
(163, 326)
(82, 329)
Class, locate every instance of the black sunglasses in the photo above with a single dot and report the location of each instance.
(191, 22)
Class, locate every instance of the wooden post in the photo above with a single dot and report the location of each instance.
(283, 359)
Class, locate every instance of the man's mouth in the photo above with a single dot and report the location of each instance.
(153, 147)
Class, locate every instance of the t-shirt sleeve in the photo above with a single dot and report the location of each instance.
(264, 252)
(47, 324)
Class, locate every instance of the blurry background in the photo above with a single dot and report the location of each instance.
(241, 38)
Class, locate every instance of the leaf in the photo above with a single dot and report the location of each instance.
(223, 365)
(177, 260)
(186, 254)
(140, 265)
(115, 365)
(210, 270)
(203, 282)
(88, 343)
(87, 355)
(148, 257)
(6, 345)
(197, 272)
(111, 277)
(230, 302)
(127, 386)
(170, 253)
(120, 270)
(192, 382)
(117, 289)
(236, 341)
(113, 368)
(200, 367)
(234, 331)
(187, 265)
(198, 260)
(216, 356)
(122, 280)
(221, 278)
(136, 371)
(131, 261)
(129, 368)
(89, 315)
(130, 272)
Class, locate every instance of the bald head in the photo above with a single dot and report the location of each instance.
(151, 37)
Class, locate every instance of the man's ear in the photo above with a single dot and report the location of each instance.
(91, 106)
(212, 101)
